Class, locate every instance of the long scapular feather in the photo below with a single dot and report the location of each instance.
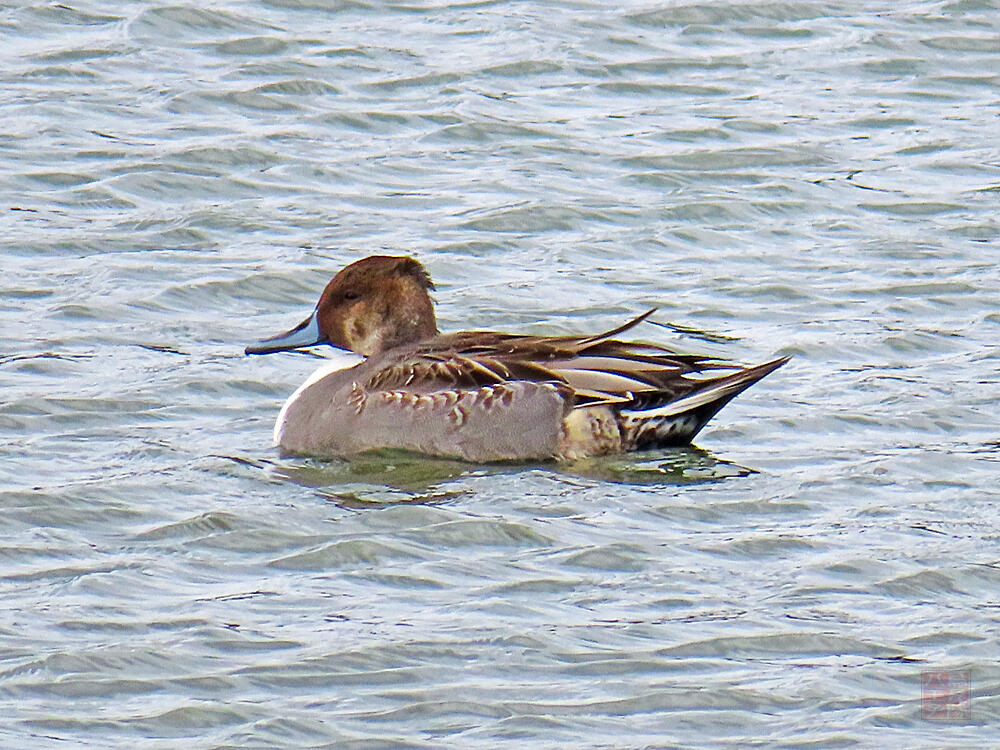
(620, 329)
(598, 380)
(626, 363)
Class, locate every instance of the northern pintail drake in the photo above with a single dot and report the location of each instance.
(480, 395)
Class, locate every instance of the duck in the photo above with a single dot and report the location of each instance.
(484, 396)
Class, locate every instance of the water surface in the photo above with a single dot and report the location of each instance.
(806, 179)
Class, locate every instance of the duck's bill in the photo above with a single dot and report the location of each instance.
(305, 334)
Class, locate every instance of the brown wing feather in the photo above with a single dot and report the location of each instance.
(597, 369)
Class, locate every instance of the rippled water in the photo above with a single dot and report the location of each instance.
(796, 178)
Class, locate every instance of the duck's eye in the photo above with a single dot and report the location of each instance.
(351, 296)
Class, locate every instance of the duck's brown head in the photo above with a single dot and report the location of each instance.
(372, 305)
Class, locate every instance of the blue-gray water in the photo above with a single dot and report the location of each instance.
(804, 178)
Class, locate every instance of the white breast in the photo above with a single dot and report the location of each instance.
(340, 360)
